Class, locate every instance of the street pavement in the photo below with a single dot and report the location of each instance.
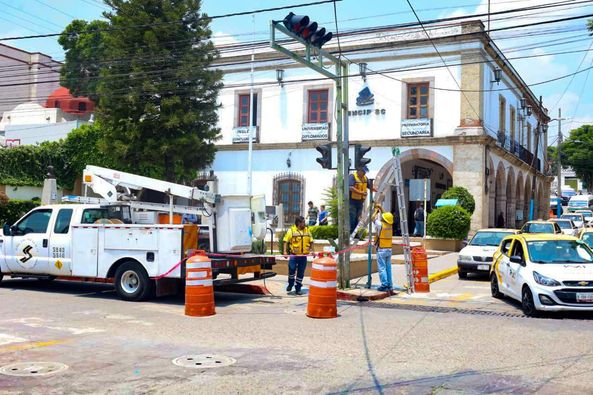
(452, 340)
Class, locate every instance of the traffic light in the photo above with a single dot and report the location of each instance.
(359, 153)
(326, 155)
(302, 26)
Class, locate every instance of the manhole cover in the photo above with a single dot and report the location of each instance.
(204, 361)
(31, 369)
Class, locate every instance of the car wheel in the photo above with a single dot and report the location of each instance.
(132, 282)
(462, 274)
(527, 303)
(1, 276)
(494, 287)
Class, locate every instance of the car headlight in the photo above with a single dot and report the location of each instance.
(543, 280)
(465, 258)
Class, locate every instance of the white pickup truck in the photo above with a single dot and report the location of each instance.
(69, 240)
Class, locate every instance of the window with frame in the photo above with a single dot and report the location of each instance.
(35, 222)
(505, 246)
(529, 137)
(513, 115)
(502, 114)
(317, 106)
(63, 221)
(289, 190)
(243, 110)
(418, 100)
(518, 250)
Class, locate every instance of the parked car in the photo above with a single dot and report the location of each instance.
(588, 214)
(544, 272)
(578, 219)
(477, 256)
(540, 227)
(568, 227)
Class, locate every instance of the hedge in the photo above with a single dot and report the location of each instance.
(324, 232)
(465, 199)
(15, 209)
(448, 222)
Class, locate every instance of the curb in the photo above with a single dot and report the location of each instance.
(442, 274)
(342, 295)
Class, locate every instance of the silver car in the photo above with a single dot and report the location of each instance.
(568, 227)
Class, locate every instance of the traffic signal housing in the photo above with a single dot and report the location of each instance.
(326, 156)
(359, 153)
(301, 26)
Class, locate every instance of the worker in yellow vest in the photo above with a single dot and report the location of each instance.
(299, 240)
(359, 186)
(383, 245)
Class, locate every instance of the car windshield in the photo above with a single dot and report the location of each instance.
(488, 238)
(588, 238)
(564, 224)
(559, 251)
(541, 228)
(586, 214)
(578, 203)
(574, 217)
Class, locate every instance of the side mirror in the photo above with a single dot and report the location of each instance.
(6, 230)
(517, 259)
(464, 243)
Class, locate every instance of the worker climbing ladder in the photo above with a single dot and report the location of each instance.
(392, 177)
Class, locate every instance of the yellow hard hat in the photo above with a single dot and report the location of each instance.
(388, 217)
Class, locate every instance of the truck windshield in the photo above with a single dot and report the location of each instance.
(559, 251)
(92, 215)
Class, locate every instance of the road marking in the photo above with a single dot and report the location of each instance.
(34, 322)
(8, 339)
(27, 346)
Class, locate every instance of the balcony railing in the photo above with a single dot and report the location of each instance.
(514, 147)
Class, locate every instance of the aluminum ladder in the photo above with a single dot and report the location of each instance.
(403, 220)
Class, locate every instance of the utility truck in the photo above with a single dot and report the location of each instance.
(135, 244)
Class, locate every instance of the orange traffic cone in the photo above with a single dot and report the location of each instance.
(323, 294)
(420, 269)
(199, 291)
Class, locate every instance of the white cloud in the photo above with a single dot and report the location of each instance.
(220, 38)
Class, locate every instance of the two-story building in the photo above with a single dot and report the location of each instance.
(460, 114)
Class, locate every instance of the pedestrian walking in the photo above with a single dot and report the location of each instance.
(359, 185)
(299, 240)
(323, 216)
(383, 245)
(419, 221)
(500, 220)
(312, 214)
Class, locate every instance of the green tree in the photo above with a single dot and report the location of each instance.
(157, 93)
(577, 151)
(84, 43)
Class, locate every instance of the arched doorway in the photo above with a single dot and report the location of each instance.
(289, 189)
(418, 163)
(491, 185)
(527, 196)
(500, 196)
(520, 203)
(511, 201)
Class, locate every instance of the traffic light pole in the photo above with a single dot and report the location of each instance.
(342, 138)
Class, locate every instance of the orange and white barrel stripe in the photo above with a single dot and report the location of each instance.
(323, 292)
(420, 269)
(199, 288)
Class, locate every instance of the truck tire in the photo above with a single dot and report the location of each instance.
(132, 282)
(1, 277)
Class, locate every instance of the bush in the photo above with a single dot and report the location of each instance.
(448, 222)
(258, 246)
(324, 232)
(15, 209)
(466, 200)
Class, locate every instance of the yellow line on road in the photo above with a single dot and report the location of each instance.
(442, 274)
(27, 346)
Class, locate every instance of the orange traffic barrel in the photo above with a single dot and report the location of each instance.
(420, 270)
(323, 292)
(199, 289)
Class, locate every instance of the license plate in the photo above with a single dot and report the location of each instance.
(585, 297)
(483, 267)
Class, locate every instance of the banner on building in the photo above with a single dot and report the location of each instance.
(241, 135)
(416, 127)
(315, 131)
(10, 143)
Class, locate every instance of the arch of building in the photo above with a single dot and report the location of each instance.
(511, 199)
(491, 184)
(500, 199)
(527, 195)
(520, 195)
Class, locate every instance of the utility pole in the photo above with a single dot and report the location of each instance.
(251, 107)
(307, 33)
(533, 162)
(558, 160)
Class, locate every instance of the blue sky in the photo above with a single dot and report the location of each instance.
(26, 17)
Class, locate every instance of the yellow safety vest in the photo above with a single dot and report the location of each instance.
(300, 241)
(384, 238)
(361, 187)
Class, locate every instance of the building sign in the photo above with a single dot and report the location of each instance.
(9, 143)
(367, 111)
(315, 131)
(241, 135)
(416, 127)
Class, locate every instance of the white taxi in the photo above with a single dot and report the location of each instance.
(544, 272)
(477, 256)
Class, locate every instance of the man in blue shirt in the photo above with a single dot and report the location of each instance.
(323, 216)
